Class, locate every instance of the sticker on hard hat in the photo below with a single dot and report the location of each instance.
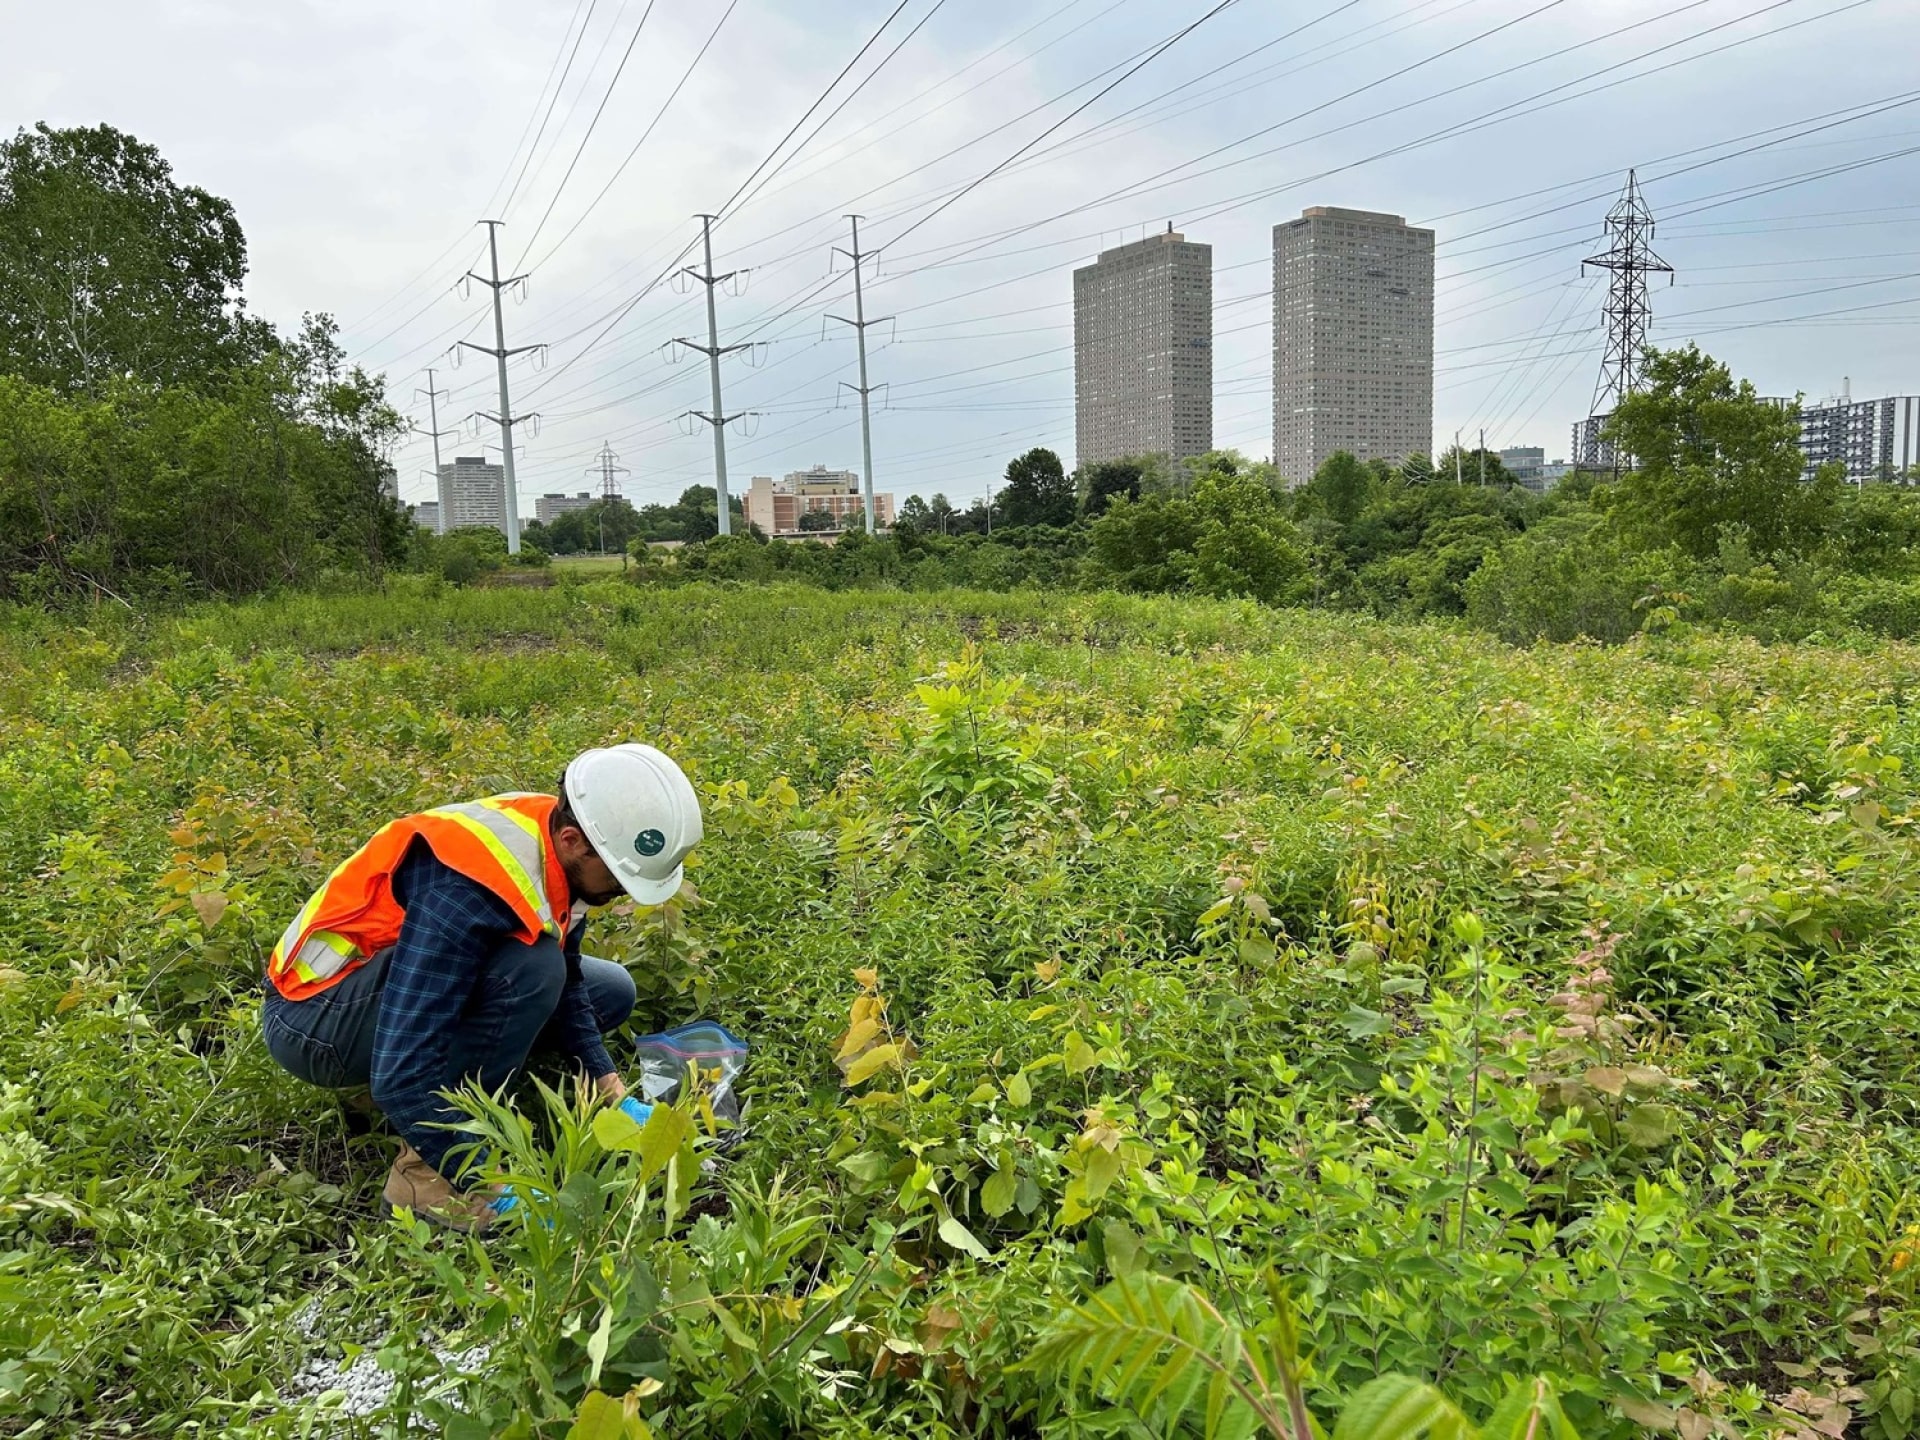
(649, 842)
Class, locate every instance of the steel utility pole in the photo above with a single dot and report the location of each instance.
(1483, 457)
(506, 419)
(433, 419)
(1456, 457)
(860, 324)
(605, 467)
(713, 350)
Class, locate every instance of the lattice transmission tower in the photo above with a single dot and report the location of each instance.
(607, 465)
(1630, 258)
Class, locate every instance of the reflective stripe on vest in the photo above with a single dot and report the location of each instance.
(353, 915)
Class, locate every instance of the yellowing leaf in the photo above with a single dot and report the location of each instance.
(11, 976)
(857, 1038)
(867, 978)
(1047, 970)
(1079, 1055)
(76, 992)
(598, 1418)
(1607, 1080)
(209, 905)
(873, 1062)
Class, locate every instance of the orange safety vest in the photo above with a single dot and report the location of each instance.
(501, 842)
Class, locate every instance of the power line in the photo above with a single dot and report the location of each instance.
(592, 124)
(665, 105)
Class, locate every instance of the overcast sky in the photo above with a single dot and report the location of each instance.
(361, 142)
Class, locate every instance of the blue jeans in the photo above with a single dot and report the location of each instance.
(327, 1039)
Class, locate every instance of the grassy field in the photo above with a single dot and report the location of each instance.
(1232, 1006)
(590, 566)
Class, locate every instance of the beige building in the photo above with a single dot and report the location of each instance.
(1143, 351)
(549, 508)
(472, 492)
(777, 505)
(1352, 339)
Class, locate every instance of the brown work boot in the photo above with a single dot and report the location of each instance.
(415, 1185)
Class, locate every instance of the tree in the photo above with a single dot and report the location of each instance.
(1037, 491)
(110, 269)
(1227, 537)
(915, 514)
(1713, 459)
(1473, 467)
(1416, 470)
(1104, 480)
(817, 520)
(940, 513)
(1342, 486)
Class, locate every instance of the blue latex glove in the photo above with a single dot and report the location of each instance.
(636, 1110)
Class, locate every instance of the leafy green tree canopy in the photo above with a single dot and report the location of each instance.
(111, 269)
(1037, 492)
(1103, 480)
(1343, 486)
(1711, 459)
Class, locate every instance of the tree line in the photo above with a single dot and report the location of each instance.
(1714, 520)
(156, 439)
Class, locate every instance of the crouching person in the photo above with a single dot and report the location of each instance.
(447, 949)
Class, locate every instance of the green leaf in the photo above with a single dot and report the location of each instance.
(1529, 1411)
(1361, 1022)
(616, 1130)
(867, 1166)
(996, 1196)
(1019, 1088)
(666, 1130)
(1102, 1166)
(1650, 1125)
(961, 1238)
(1216, 911)
(1398, 1407)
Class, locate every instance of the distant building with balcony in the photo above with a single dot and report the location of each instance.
(472, 492)
(549, 508)
(1143, 351)
(777, 506)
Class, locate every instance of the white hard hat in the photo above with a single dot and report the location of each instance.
(640, 813)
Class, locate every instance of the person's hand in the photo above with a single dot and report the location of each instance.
(612, 1087)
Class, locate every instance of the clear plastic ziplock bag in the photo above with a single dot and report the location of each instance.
(660, 1067)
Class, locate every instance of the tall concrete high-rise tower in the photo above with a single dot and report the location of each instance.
(1352, 339)
(472, 492)
(1143, 351)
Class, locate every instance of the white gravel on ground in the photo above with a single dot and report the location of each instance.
(363, 1386)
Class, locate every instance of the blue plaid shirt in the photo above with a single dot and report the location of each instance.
(451, 923)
